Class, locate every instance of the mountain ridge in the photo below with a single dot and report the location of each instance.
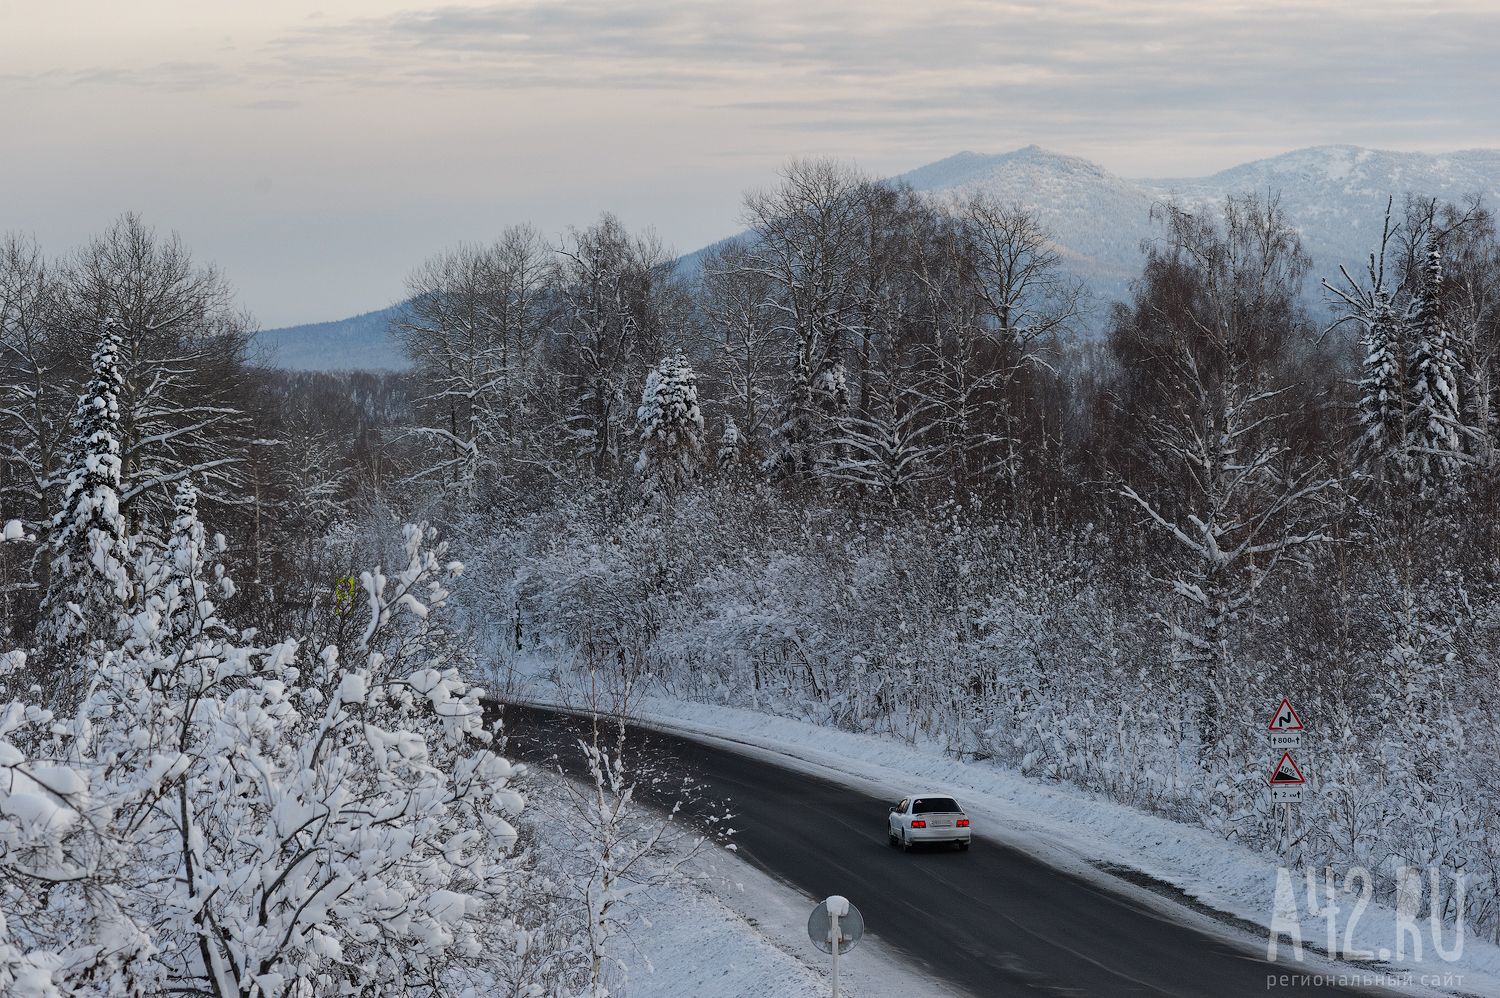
(1334, 194)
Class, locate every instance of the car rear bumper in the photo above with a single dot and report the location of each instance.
(938, 835)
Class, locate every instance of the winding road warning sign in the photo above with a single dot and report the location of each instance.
(1286, 717)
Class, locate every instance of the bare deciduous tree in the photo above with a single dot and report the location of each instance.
(472, 326)
(1235, 501)
(182, 359)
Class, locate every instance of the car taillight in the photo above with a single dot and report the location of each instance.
(963, 822)
(919, 824)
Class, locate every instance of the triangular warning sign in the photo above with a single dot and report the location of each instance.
(1286, 772)
(1285, 718)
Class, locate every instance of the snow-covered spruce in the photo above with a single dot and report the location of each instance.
(1384, 396)
(1434, 433)
(671, 430)
(731, 448)
(225, 817)
(89, 582)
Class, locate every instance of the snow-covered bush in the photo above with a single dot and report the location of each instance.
(227, 816)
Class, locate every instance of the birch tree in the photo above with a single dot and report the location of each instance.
(35, 381)
(473, 327)
(632, 838)
(1235, 501)
(619, 306)
(805, 236)
(1022, 297)
(36, 397)
(732, 294)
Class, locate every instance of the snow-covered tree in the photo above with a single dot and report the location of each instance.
(1237, 504)
(806, 236)
(189, 575)
(618, 300)
(220, 818)
(182, 357)
(733, 295)
(671, 426)
(1435, 432)
(1471, 283)
(1024, 298)
(472, 325)
(1411, 416)
(731, 448)
(36, 396)
(1420, 741)
(627, 836)
(89, 581)
(1383, 319)
(1384, 396)
(890, 453)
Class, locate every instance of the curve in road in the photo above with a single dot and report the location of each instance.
(993, 921)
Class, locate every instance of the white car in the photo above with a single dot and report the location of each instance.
(928, 818)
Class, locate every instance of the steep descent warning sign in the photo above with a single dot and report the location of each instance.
(1286, 772)
(1285, 718)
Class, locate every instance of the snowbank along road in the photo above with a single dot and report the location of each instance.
(992, 921)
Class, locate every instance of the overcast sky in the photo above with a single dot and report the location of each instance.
(317, 151)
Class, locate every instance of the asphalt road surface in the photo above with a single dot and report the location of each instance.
(992, 921)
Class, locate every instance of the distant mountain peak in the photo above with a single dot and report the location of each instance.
(1334, 195)
(968, 170)
(1358, 164)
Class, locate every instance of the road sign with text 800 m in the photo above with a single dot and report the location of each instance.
(1285, 727)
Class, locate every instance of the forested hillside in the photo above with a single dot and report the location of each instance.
(861, 469)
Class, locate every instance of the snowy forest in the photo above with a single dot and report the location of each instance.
(858, 465)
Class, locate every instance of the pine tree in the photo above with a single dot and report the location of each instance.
(1434, 431)
(191, 567)
(731, 445)
(1384, 398)
(671, 429)
(89, 585)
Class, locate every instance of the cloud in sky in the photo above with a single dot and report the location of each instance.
(400, 129)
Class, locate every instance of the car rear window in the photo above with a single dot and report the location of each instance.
(934, 805)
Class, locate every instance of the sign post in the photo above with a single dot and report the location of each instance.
(1284, 731)
(835, 927)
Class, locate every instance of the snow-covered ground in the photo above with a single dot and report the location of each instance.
(692, 944)
(738, 933)
(1082, 832)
